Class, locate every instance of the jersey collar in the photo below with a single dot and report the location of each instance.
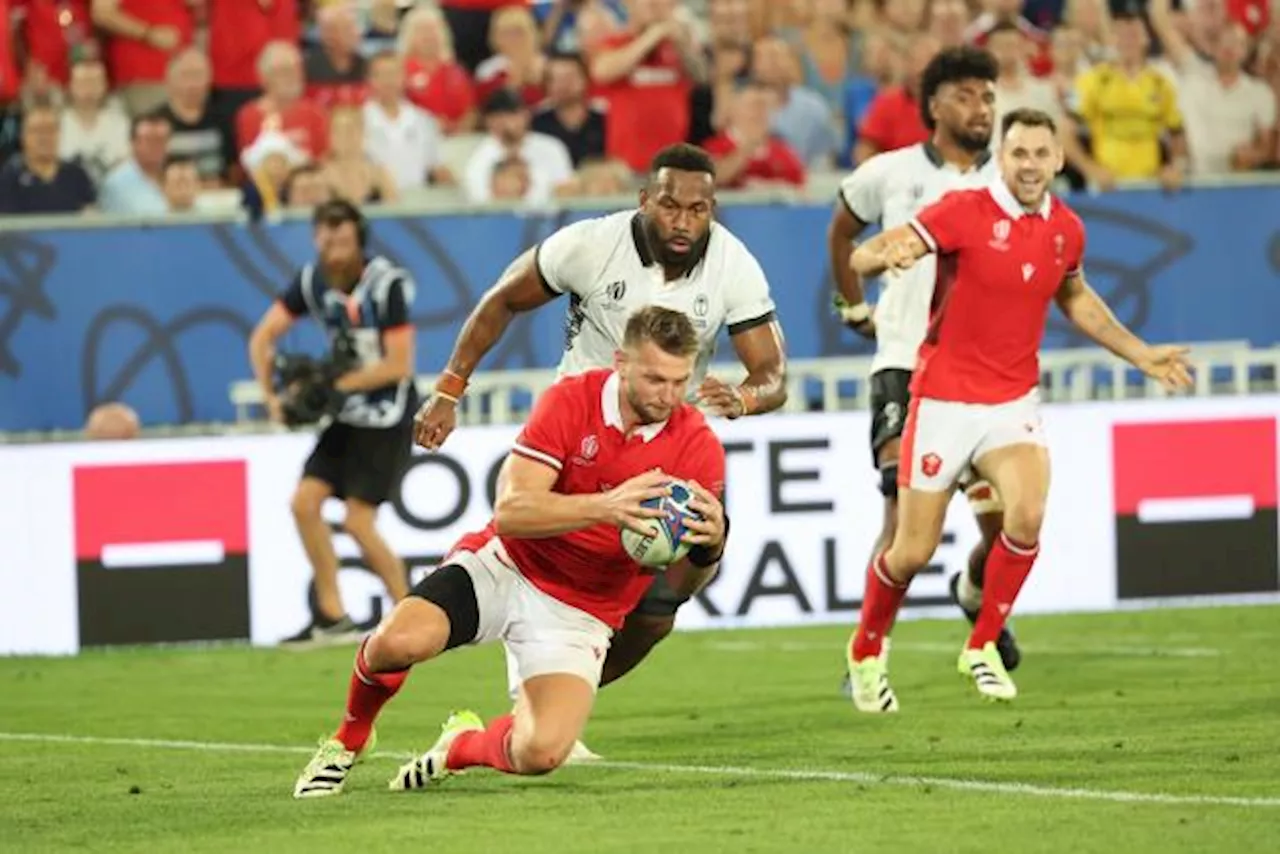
(934, 156)
(1004, 198)
(611, 403)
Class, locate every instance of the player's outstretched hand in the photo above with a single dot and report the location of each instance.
(434, 422)
(899, 255)
(721, 398)
(708, 531)
(1168, 365)
(623, 505)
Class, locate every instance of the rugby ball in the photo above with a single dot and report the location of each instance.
(661, 545)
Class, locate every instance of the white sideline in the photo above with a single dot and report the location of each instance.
(1113, 650)
(799, 774)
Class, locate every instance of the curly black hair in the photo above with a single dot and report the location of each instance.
(952, 66)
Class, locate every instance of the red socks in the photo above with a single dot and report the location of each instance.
(368, 693)
(483, 748)
(880, 606)
(1007, 569)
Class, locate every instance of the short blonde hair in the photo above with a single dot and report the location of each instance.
(427, 13)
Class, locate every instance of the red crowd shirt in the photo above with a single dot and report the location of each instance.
(492, 75)
(50, 29)
(238, 31)
(133, 61)
(893, 121)
(575, 428)
(999, 268)
(649, 108)
(10, 83)
(1253, 15)
(303, 122)
(776, 161)
(445, 91)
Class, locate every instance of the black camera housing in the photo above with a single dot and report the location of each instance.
(307, 392)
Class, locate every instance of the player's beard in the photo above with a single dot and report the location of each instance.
(972, 141)
(644, 412)
(669, 257)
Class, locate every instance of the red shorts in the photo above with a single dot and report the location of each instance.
(942, 438)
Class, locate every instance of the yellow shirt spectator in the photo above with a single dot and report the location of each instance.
(1127, 116)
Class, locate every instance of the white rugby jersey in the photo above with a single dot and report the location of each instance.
(890, 189)
(605, 266)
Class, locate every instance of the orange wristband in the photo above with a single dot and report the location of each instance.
(451, 386)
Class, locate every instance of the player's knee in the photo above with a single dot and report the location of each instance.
(542, 754)
(405, 639)
(908, 558)
(1022, 521)
(306, 503)
(359, 521)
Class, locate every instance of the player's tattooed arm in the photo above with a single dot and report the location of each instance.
(1090, 314)
(851, 297)
(893, 250)
(762, 353)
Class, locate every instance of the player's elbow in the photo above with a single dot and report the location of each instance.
(508, 514)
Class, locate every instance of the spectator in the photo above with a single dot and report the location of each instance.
(112, 422)
(1205, 21)
(517, 62)
(238, 33)
(548, 161)
(748, 154)
(180, 184)
(1230, 116)
(511, 181)
(305, 188)
(1092, 20)
(94, 132)
(802, 118)
(334, 69)
(54, 34)
(646, 74)
(1066, 48)
(599, 178)
(893, 119)
(726, 56)
(141, 36)
(567, 115)
(1130, 107)
(382, 28)
(949, 22)
(903, 18)
(133, 187)
(36, 181)
(398, 136)
(559, 21)
(348, 169)
(434, 80)
(1015, 88)
(831, 52)
(282, 106)
(268, 164)
(469, 21)
(198, 132)
(1010, 12)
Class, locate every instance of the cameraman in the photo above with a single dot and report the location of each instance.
(363, 305)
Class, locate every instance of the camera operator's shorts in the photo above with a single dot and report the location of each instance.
(364, 463)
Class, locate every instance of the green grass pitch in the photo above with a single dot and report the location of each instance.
(1142, 731)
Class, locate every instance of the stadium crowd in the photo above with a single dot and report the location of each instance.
(151, 107)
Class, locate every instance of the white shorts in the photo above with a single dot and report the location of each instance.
(942, 437)
(541, 634)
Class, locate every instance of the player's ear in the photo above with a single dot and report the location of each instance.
(644, 195)
(619, 359)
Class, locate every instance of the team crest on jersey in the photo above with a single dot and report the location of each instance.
(930, 465)
(701, 305)
(616, 290)
(587, 450)
(1000, 235)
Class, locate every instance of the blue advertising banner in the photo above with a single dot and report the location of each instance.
(158, 317)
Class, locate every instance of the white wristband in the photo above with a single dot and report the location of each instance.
(855, 313)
